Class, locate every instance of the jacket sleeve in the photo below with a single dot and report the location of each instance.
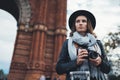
(64, 64)
(105, 65)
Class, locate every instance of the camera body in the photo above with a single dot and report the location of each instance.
(91, 53)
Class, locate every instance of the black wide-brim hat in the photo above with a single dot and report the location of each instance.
(88, 14)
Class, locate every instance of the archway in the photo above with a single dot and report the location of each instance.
(11, 7)
(34, 53)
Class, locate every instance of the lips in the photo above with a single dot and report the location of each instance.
(80, 27)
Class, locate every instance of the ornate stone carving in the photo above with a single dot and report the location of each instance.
(40, 27)
(18, 66)
(37, 65)
(61, 31)
(24, 11)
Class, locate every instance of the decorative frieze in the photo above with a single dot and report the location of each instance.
(61, 31)
(40, 27)
(36, 65)
(57, 31)
(19, 66)
(22, 27)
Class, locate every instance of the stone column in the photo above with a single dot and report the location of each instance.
(22, 48)
(36, 64)
(60, 32)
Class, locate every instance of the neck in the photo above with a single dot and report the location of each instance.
(82, 33)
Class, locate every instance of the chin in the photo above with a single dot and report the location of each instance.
(81, 31)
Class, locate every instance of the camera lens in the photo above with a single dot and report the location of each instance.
(93, 54)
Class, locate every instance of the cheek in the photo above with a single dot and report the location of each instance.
(85, 27)
(76, 27)
(76, 24)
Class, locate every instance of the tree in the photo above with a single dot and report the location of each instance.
(112, 40)
(1, 75)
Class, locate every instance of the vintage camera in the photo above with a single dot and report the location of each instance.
(91, 53)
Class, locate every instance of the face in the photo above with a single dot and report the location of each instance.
(81, 24)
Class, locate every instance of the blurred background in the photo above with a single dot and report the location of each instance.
(107, 30)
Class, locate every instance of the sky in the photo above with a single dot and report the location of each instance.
(107, 19)
(7, 39)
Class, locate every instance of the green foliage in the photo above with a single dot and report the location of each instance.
(111, 41)
(2, 75)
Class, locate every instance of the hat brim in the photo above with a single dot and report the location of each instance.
(84, 13)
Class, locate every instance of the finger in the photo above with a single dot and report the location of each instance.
(84, 55)
(97, 63)
(85, 52)
(83, 49)
(92, 60)
(80, 54)
(80, 61)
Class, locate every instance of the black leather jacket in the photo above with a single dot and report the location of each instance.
(66, 65)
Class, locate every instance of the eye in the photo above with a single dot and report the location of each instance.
(84, 20)
(77, 21)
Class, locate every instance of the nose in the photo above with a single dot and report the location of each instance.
(80, 22)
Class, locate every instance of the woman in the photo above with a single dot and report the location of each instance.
(77, 51)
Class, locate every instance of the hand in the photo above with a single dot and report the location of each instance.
(81, 54)
(96, 61)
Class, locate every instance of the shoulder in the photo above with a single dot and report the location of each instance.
(65, 44)
(66, 41)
